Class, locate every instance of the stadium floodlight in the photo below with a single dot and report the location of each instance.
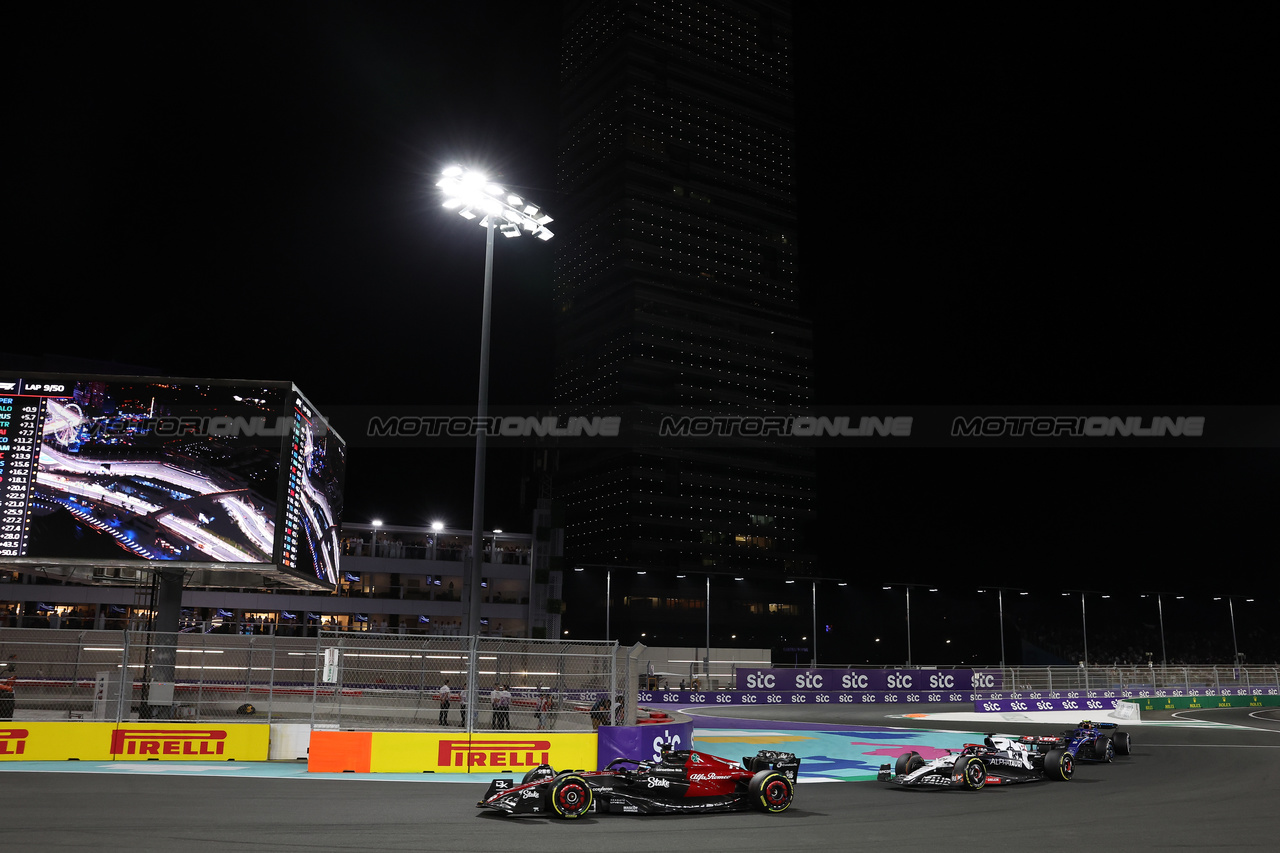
(508, 212)
(468, 191)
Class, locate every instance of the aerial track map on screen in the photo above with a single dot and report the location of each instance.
(158, 472)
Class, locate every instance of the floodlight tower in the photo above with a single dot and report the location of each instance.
(474, 196)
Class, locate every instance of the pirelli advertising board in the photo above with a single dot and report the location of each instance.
(426, 752)
(142, 741)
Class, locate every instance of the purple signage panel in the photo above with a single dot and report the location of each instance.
(1084, 705)
(869, 679)
(801, 697)
(640, 742)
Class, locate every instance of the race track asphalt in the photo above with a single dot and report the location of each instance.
(1184, 788)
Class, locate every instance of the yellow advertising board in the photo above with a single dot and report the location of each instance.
(140, 741)
(55, 741)
(145, 741)
(487, 753)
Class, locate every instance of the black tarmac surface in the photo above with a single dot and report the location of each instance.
(1183, 788)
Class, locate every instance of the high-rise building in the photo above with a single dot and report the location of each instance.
(676, 282)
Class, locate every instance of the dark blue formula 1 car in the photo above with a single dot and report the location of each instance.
(1088, 741)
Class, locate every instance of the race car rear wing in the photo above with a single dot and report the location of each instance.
(768, 759)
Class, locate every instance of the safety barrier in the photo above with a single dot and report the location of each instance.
(37, 741)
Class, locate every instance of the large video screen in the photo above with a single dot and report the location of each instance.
(316, 463)
(177, 471)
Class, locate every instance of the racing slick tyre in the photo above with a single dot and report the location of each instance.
(770, 791)
(1121, 743)
(570, 796)
(1058, 765)
(973, 773)
(907, 764)
(1104, 749)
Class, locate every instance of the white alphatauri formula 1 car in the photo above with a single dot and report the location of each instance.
(995, 761)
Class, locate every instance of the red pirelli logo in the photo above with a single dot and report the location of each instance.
(13, 741)
(494, 753)
(168, 742)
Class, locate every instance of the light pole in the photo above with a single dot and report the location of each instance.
(814, 663)
(813, 657)
(1084, 633)
(1235, 646)
(907, 586)
(436, 528)
(471, 194)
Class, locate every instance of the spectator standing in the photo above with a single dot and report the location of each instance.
(464, 698)
(600, 712)
(504, 707)
(444, 696)
(542, 705)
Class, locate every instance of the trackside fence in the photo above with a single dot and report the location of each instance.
(332, 680)
(1202, 678)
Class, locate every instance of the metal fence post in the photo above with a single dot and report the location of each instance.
(248, 676)
(473, 682)
(271, 681)
(340, 684)
(316, 663)
(124, 674)
(204, 656)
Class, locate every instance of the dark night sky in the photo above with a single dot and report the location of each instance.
(994, 211)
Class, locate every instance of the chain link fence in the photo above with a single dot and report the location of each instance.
(332, 680)
(1205, 678)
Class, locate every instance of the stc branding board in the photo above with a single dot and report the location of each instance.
(868, 679)
(133, 742)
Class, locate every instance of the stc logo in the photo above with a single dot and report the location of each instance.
(982, 679)
(494, 753)
(807, 681)
(853, 682)
(667, 737)
(941, 681)
(898, 681)
(13, 741)
(167, 742)
(760, 680)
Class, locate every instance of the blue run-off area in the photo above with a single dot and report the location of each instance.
(831, 753)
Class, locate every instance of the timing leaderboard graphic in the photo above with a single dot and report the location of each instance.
(316, 461)
(114, 470)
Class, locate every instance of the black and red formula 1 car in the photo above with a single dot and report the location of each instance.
(683, 782)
